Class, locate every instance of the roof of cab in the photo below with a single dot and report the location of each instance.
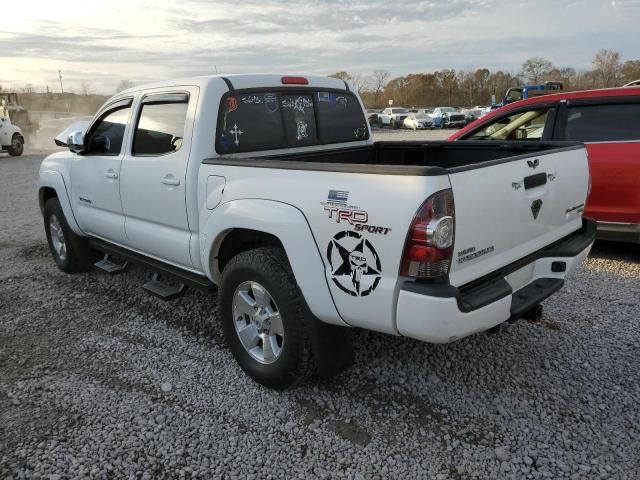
(240, 81)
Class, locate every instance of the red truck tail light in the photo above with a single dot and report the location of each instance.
(429, 246)
(294, 81)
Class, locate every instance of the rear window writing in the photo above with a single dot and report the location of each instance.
(341, 118)
(299, 120)
(256, 121)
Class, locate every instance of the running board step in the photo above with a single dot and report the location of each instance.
(169, 271)
(109, 266)
(162, 290)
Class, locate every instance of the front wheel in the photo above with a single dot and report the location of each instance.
(264, 318)
(17, 146)
(71, 252)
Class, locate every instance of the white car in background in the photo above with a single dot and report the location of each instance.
(393, 117)
(425, 111)
(418, 121)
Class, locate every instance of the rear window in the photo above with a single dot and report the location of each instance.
(603, 123)
(266, 120)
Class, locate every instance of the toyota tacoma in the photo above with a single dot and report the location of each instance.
(270, 190)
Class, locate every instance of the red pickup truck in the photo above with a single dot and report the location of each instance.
(607, 121)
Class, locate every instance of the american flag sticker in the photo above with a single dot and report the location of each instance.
(338, 196)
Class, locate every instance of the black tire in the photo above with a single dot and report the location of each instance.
(17, 146)
(269, 267)
(78, 256)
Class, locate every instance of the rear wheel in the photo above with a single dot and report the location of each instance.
(265, 318)
(70, 252)
(17, 146)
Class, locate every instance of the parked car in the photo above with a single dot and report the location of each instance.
(635, 83)
(11, 136)
(472, 114)
(608, 122)
(515, 94)
(447, 117)
(373, 118)
(425, 111)
(393, 117)
(186, 178)
(418, 121)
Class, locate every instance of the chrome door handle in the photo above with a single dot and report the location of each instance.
(171, 181)
(111, 174)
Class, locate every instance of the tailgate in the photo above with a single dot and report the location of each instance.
(507, 209)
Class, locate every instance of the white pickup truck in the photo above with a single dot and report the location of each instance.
(11, 137)
(271, 189)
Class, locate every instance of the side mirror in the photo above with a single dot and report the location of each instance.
(99, 144)
(75, 142)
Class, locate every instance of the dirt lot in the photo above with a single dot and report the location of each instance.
(99, 380)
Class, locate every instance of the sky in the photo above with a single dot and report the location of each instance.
(101, 43)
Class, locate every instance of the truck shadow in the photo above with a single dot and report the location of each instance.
(621, 251)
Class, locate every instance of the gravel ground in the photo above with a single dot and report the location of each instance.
(99, 380)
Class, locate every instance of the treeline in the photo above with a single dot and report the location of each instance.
(476, 87)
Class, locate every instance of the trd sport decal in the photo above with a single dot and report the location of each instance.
(337, 209)
(355, 266)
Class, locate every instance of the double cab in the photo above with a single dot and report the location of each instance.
(270, 189)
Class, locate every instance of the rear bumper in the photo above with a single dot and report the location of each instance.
(440, 313)
(617, 231)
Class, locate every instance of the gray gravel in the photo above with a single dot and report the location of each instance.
(99, 380)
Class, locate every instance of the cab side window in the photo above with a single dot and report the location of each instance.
(523, 125)
(160, 128)
(603, 123)
(107, 135)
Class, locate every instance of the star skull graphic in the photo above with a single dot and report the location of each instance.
(355, 265)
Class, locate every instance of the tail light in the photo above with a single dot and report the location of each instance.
(429, 246)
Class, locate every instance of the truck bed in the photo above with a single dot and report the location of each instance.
(403, 158)
(428, 154)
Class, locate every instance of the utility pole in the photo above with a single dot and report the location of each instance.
(60, 77)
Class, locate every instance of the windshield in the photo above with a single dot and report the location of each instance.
(422, 115)
(448, 109)
(399, 110)
(527, 125)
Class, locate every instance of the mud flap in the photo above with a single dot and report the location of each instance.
(331, 347)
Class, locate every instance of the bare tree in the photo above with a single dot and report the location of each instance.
(535, 69)
(123, 85)
(630, 71)
(379, 80)
(28, 88)
(359, 81)
(449, 82)
(607, 65)
(86, 88)
(342, 75)
(356, 79)
(481, 75)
